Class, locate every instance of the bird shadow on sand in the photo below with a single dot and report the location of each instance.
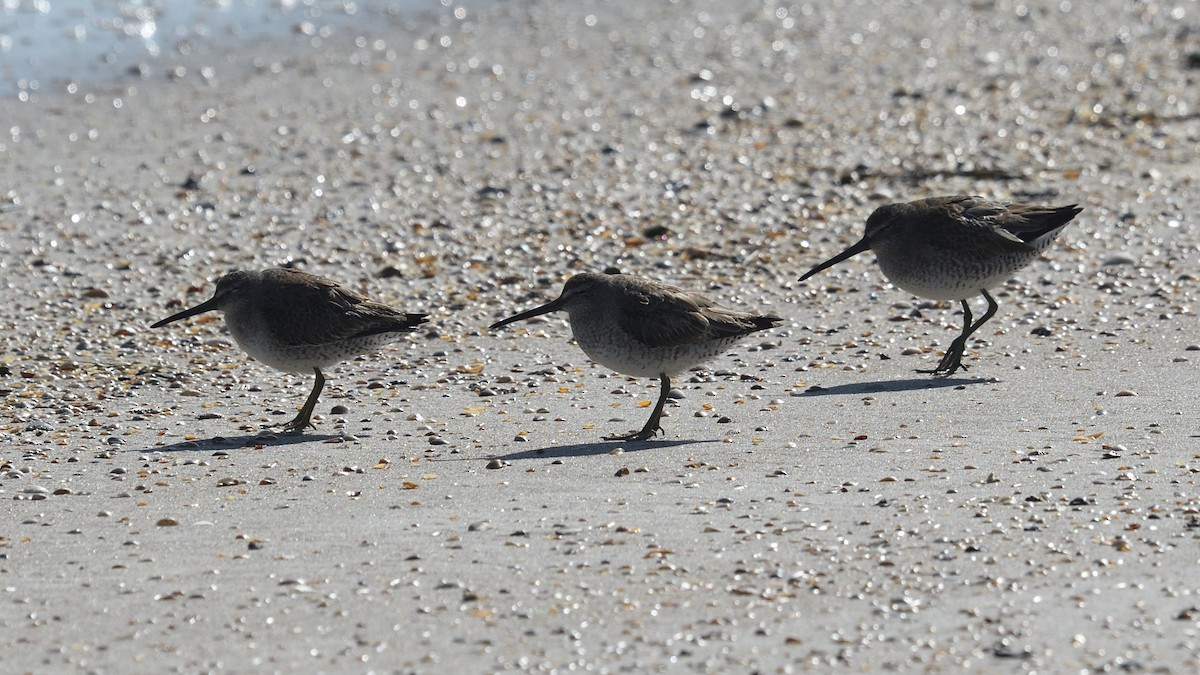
(243, 441)
(594, 448)
(908, 384)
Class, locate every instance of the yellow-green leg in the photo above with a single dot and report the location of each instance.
(303, 419)
(652, 426)
(952, 359)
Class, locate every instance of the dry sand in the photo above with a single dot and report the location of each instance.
(814, 504)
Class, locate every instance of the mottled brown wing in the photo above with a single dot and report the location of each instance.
(661, 317)
(1029, 223)
(991, 225)
(332, 313)
(665, 316)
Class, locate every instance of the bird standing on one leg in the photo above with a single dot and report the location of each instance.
(297, 322)
(645, 328)
(954, 248)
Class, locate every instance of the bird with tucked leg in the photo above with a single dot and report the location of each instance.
(955, 248)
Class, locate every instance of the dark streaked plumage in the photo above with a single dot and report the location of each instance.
(954, 248)
(645, 328)
(298, 322)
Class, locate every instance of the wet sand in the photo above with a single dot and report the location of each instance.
(814, 503)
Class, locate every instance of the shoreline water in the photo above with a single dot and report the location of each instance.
(55, 45)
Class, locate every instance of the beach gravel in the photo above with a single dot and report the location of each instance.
(814, 504)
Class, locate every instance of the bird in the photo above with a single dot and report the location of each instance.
(299, 322)
(955, 248)
(645, 328)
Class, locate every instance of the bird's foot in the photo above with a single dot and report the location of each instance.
(644, 435)
(298, 424)
(950, 363)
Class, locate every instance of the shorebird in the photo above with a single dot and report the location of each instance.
(645, 328)
(297, 322)
(954, 248)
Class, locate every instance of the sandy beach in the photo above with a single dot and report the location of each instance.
(814, 504)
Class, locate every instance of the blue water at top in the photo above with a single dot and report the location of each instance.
(47, 43)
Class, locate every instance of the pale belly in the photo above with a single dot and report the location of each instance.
(614, 349)
(952, 279)
(304, 358)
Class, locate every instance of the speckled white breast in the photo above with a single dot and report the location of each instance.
(605, 343)
(932, 273)
(260, 343)
(950, 281)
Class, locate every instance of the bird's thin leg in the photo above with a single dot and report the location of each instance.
(991, 311)
(952, 360)
(304, 418)
(652, 427)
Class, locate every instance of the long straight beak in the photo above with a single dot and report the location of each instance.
(201, 308)
(854, 250)
(552, 306)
